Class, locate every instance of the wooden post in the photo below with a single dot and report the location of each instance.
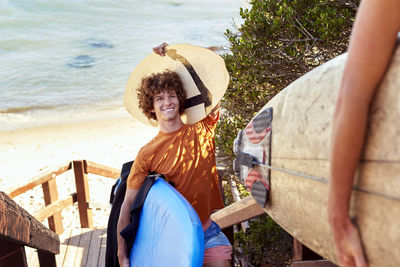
(228, 231)
(82, 191)
(302, 253)
(297, 250)
(11, 254)
(305, 257)
(313, 263)
(50, 195)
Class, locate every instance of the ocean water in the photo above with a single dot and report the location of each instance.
(62, 61)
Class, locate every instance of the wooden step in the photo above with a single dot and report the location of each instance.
(78, 247)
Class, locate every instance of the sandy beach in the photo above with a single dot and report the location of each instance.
(110, 141)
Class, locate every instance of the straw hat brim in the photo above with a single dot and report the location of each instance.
(202, 72)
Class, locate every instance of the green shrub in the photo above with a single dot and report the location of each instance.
(264, 243)
(279, 41)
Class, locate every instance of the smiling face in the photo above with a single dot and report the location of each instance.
(159, 84)
(166, 106)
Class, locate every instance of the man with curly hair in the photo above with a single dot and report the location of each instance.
(184, 154)
(156, 84)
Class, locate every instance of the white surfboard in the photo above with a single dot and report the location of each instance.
(300, 138)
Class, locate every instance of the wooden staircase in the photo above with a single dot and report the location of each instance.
(19, 229)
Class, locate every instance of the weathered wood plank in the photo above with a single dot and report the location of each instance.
(84, 246)
(235, 213)
(64, 238)
(102, 170)
(55, 207)
(82, 190)
(50, 194)
(73, 243)
(102, 256)
(13, 220)
(17, 225)
(316, 263)
(39, 179)
(43, 238)
(94, 251)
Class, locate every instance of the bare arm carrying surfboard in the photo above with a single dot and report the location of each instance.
(300, 136)
(372, 42)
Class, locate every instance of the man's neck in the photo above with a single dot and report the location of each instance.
(171, 126)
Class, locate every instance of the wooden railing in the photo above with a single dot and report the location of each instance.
(18, 228)
(240, 211)
(53, 205)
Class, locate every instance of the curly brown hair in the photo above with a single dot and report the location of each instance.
(155, 84)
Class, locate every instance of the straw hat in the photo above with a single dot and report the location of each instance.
(202, 72)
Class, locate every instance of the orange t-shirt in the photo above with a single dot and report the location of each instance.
(185, 157)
